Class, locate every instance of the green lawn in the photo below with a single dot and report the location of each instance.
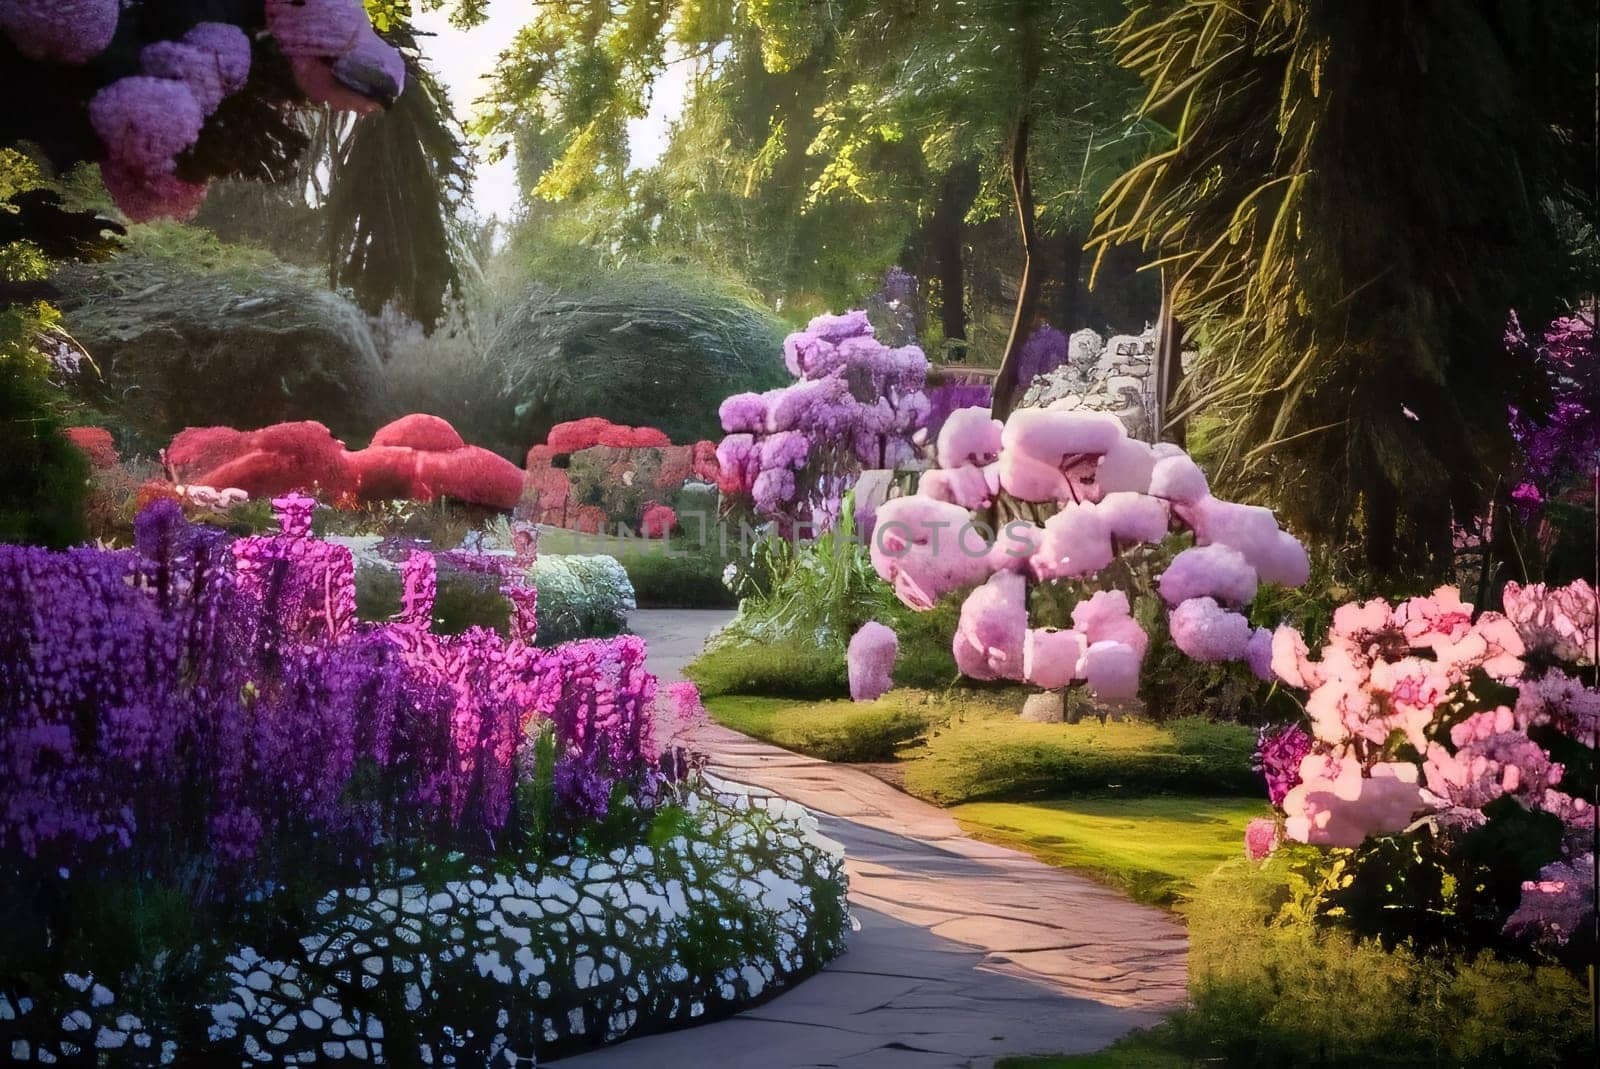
(1142, 1050)
(969, 746)
(832, 731)
(1135, 805)
(1155, 849)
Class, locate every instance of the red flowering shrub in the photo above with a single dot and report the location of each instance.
(703, 459)
(619, 472)
(590, 519)
(549, 491)
(419, 457)
(154, 490)
(386, 473)
(659, 520)
(197, 450)
(472, 474)
(96, 444)
(586, 433)
(420, 431)
(263, 463)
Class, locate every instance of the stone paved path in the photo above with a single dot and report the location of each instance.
(965, 952)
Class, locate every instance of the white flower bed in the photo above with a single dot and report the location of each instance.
(493, 969)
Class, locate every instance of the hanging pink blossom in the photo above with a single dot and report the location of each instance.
(1260, 838)
(969, 437)
(993, 626)
(1207, 632)
(1052, 658)
(1214, 571)
(1337, 804)
(870, 661)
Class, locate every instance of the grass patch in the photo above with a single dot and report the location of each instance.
(1153, 849)
(988, 757)
(1141, 1050)
(962, 746)
(833, 731)
(788, 669)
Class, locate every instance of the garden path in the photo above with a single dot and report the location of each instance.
(965, 952)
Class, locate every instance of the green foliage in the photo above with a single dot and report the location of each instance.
(191, 331)
(994, 756)
(643, 347)
(1153, 849)
(43, 478)
(832, 731)
(581, 597)
(689, 577)
(1272, 988)
(787, 668)
(464, 599)
(1141, 1050)
(398, 182)
(1388, 195)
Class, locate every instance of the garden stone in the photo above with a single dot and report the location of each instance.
(1044, 707)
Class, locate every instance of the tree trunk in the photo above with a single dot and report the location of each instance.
(1005, 383)
(1169, 370)
(948, 244)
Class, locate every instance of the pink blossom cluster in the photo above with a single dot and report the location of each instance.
(870, 661)
(1408, 721)
(1107, 494)
(337, 57)
(791, 453)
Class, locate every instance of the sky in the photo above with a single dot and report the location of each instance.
(463, 59)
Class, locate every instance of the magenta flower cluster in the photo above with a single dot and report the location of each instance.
(202, 695)
(1561, 448)
(792, 453)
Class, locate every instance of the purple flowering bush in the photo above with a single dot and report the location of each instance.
(205, 719)
(1560, 448)
(791, 454)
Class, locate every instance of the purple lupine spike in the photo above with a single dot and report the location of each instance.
(294, 512)
(419, 577)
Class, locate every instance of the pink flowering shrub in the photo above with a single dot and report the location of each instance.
(1103, 498)
(792, 453)
(1440, 740)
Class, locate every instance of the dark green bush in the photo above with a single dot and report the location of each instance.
(690, 577)
(644, 346)
(44, 479)
(832, 731)
(789, 668)
(464, 599)
(192, 332)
